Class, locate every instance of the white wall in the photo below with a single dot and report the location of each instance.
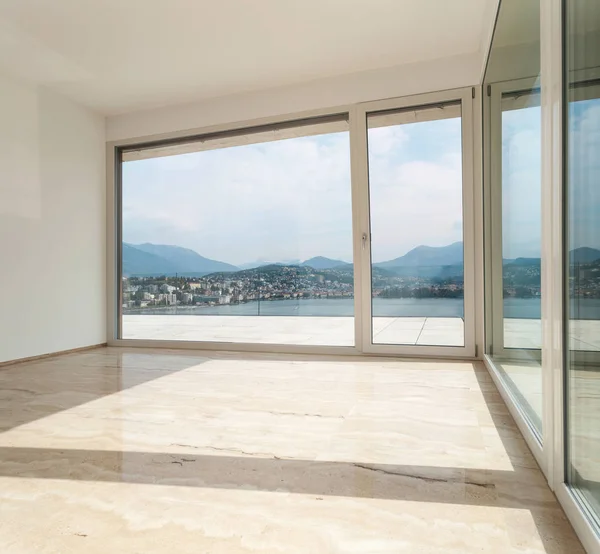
(403, 80)
(52, 223)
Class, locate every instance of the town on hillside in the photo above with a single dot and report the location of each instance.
(279, 281)
(276, 282)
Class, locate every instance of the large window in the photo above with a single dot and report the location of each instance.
(240, 237)
(276, 235)
(582, 250)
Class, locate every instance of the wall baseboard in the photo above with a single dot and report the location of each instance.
(52, 354)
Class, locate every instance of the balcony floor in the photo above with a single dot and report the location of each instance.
(339, 331)
(134, 450)
(307, 330)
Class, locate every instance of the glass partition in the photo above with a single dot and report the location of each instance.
(417, 268)
(241, 236)
(582, 250)
(513, 200)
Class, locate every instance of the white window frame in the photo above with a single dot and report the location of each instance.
(494, 212)
(363, 251)
(494, 316)
(550, 453)
(359, 185)
(114, 235)
(552, 28)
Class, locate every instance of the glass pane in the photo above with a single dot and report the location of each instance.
(582, 257)
(241, 238)
(512, 133)
(517, 353)
(415, 196)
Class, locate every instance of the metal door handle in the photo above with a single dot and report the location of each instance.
(364, 240)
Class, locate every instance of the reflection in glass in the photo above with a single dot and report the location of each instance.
(582, 252)
(521, 220)
(415, 197)
(517, 348)
(241, 238)
(512, 137)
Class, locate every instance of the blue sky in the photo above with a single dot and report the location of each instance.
(521, 179)
(291, 199)
(521, 183)
(584, 174)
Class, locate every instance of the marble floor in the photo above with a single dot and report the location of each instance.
(133, 450)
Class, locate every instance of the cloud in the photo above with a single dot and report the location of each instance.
(415, 189)
(286, 199)
(291, 199)
(386, 140)
(584, 173)
(521, 183)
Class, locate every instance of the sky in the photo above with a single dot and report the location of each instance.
(290, 200)
(583, 198)
(521, 183)
(521, 179)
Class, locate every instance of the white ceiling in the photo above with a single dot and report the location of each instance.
(117, 56)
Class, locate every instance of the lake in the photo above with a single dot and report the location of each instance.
(520, 308)
(526, 308)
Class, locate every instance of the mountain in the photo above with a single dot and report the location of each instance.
(522, 261)
(320, 262)
(262, 263)
(160, 259)
(584, 255)
(138, 262)
(423, 261)
(423, 256)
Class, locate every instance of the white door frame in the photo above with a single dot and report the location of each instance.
(362, 234)
(494, 193)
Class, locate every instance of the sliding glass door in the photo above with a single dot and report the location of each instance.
(514, 241)
(582, 253)
(417, 238)
(276, 235)
(240, 237)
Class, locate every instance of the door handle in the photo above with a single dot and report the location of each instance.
(364, 240)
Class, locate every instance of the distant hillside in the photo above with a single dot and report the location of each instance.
(423, 256)
(262, 263)
(159, 259)
(522, 261)
(423, 261)
(320, 262)
(138, 262)
(344, 272)
(263, 270)
(584, 255)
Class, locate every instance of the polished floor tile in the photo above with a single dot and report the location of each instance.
(131, 450)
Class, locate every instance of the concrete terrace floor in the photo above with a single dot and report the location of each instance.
(301, 330)
(138, 450)
(339, 331)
